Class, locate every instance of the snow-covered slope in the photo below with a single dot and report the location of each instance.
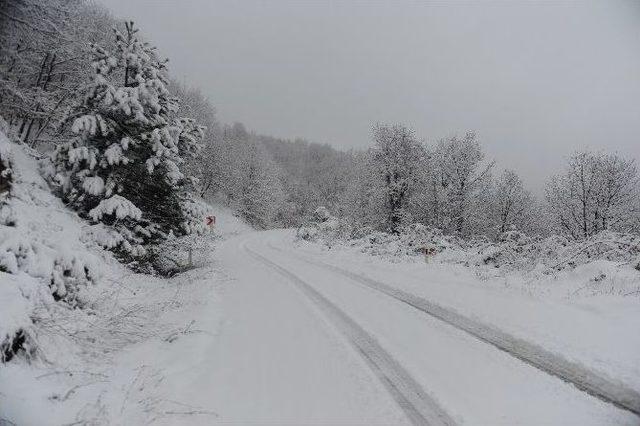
(94, 342)
(41, 253)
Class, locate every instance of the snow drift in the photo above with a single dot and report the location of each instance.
(608, 262)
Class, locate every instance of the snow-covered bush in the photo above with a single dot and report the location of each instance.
(5, 169)
(65, 273)
(6, 215)
(412, 240)
(39, 265)
(321, 214)
(13, 336)
(16, 329)
(325, 226)
(513, 251)
(122, 168)
(176, 253)
(517, 251)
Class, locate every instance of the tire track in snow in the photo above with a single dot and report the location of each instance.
(419, 407)
(594, 383)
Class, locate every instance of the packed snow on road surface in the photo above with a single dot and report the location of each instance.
(579, 299)
(294, 320)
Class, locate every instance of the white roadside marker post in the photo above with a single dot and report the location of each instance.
(429, 250)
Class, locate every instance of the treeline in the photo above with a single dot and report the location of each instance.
(450, 185)
(270, 182)
(46, 63)
(57, 58)
(93, 96)
(61, 62)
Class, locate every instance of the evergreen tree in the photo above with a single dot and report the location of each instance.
(122, 168)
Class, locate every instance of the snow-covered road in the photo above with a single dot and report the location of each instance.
(302, 343)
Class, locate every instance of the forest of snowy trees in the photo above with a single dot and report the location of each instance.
(131, 148)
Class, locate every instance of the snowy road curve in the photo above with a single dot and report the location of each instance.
(589, 381)
(419, 407)
(308, 344)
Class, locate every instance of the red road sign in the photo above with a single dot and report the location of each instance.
(210, 220)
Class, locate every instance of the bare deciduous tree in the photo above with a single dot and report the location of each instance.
(397, 157)
(510, 203)
(459, 180)
(596, 192)
(44, 62)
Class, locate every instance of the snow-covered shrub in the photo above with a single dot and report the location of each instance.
(122, 168)
(12, 344)
(177, 253)
(307, 233)
(321, 214)
(6, 215)
(40, 263)
(16, 329)
(5, 169)
(514, 251)
(323, 225)
(417, 236)
(606, 245)
(195, 212)
(517, 252)
(65, 273)
(413, 240)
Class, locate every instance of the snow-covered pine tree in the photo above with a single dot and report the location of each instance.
(122, 168)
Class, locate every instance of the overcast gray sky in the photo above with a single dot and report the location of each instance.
(536, 80)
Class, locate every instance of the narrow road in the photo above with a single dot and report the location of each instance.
(593, 382)
(419, 407)
(303, 344)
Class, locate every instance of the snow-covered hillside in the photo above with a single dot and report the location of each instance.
(90, 341)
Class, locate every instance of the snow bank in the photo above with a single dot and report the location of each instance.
(41, 255)
(606, 264)
(130, 361)
(587, 312)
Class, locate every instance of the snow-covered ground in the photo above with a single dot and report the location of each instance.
(598, 331)
(474, 382)
(272, 331)
(128, 362)
(122, 348)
